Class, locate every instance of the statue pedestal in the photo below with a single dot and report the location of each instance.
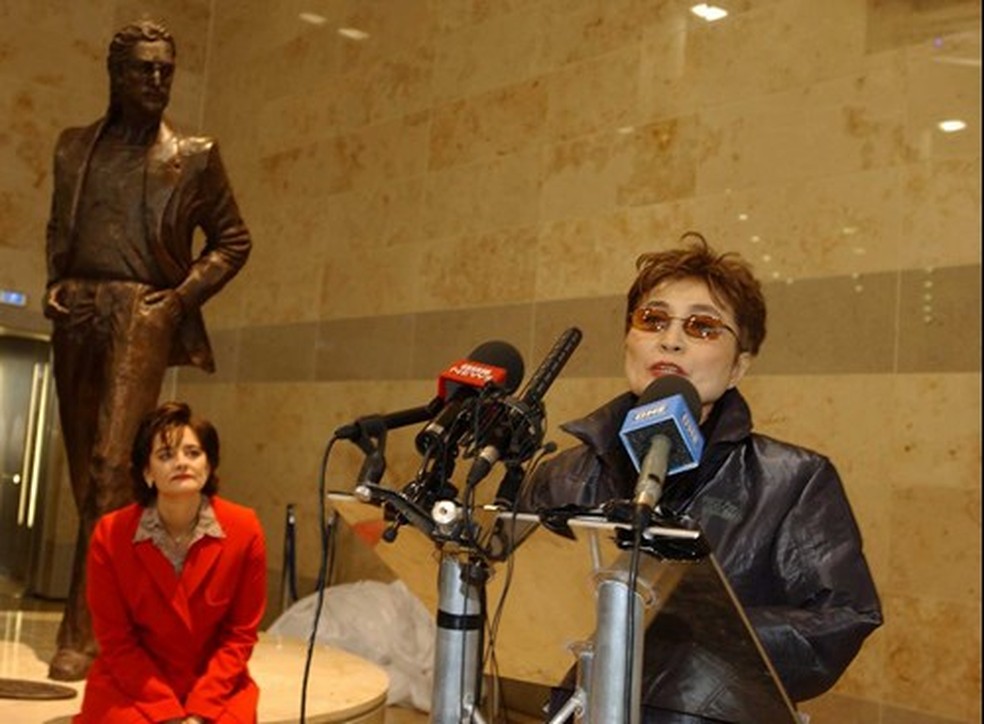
(342, 687)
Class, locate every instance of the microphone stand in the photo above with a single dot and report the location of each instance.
(465, 566)
(462, 575)
(609, 666)
(456, 695)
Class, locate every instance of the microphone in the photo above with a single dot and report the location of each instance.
(522, 430)
(492, 363)
(662, 436)
(374, 424)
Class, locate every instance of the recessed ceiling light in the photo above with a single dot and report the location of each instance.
(313, 18)
(710, 13)
(951, 126)
(353, 33)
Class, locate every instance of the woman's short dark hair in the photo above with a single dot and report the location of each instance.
(728, 277)
(168, 421)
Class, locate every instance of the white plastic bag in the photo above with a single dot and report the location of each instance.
(381, 622)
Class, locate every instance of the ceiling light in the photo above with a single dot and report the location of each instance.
(313, 18)
(951, 126)
(353, 33)
(710, 13)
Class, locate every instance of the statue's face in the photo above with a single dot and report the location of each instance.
(143, 83)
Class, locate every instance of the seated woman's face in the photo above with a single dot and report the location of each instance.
(702, 350)
(178, 465)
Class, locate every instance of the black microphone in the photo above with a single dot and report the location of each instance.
(492, 363)
(492, 366)
(662, 436)
(522, 430)
(373, 424)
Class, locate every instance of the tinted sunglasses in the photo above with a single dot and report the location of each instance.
(698, 326)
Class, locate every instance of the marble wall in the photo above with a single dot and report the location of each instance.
(473, 170)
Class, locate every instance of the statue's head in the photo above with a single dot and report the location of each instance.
(141, 67)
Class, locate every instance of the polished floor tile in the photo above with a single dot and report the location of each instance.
(27, 644)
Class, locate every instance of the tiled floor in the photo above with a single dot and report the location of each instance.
(27, 641)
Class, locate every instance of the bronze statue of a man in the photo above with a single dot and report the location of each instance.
(124, 286)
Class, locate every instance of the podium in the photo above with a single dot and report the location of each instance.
(700, 655)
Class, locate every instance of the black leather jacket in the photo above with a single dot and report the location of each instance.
(776, 517)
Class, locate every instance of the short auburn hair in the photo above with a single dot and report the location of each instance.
(728, 277)
(167, 422)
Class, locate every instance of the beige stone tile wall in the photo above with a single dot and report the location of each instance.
(490, 170)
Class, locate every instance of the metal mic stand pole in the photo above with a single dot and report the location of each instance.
(458, 647)
(456, 692)
(608, 678)
(602, 677)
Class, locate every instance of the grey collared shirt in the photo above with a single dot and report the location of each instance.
(152, 528)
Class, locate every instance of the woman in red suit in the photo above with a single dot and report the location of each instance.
(176, 587)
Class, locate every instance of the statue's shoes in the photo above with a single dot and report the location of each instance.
(69, 665)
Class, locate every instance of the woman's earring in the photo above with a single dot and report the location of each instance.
(150, 483)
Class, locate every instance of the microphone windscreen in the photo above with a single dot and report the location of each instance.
(669, 385)
(503, 355)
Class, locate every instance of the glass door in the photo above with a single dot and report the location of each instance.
(25, 404)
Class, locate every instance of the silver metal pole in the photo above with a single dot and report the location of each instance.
(458, 646)
(609, 678)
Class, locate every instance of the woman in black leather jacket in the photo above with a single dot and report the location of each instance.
(775, 514)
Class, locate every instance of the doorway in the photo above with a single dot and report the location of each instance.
(25, 416)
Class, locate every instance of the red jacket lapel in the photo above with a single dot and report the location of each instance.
(161, 572)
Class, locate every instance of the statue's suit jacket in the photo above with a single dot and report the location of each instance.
(172, 644)
(185, 187)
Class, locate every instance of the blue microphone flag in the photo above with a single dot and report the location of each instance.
(669, 416)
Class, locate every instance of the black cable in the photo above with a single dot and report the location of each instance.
(322, 575)
(493, 625)
(483, 617)
(630, 610)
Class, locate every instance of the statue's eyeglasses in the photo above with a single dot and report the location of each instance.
(149, 68)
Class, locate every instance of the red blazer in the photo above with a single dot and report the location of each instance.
(171, 646)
